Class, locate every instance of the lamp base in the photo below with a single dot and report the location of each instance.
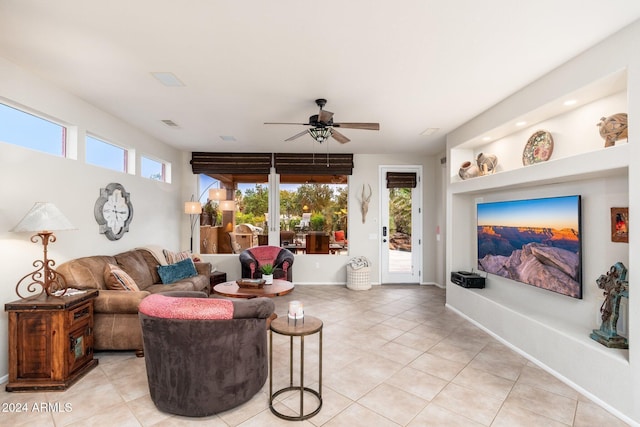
(45, 277)
(54, 284)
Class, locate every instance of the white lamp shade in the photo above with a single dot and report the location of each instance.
(217, 194)
(43, 216)
(192, 208)
(227, 205)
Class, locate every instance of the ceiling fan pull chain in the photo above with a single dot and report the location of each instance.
(327, 153)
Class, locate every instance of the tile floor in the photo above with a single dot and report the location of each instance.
(392, 356)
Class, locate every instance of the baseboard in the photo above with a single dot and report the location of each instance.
(551, 371)
(432, 284)
(4, 379)
(320, 283)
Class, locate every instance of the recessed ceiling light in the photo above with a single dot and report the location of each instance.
(167, 79)
(429, 131)
(486, 138)
(521, 123)
(570, 102)
(170, 123)
(227, 138)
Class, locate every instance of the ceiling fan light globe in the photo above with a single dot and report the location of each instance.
(320, 134)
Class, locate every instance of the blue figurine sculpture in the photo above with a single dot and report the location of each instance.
(615, 286)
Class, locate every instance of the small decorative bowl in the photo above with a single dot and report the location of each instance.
(251, 283)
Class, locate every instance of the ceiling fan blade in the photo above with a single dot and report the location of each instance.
(277, 123)
(297, 135)
(339, 137)
(366, 126)
(325, 116)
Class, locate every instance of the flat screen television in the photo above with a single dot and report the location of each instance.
(533, 241)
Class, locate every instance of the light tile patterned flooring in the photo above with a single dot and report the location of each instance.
(392, 356)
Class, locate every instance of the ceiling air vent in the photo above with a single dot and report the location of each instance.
(170, 123)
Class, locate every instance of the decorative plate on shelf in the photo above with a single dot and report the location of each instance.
(538, 148)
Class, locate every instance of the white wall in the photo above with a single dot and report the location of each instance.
(551, 329)
(29, 176)
(440, 230)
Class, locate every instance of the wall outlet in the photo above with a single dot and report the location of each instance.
(317, 265)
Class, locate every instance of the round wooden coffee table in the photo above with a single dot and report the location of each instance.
(231, 289)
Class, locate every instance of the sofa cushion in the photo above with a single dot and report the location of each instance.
(117, 279)
(152, 263)
(85, 272)
(118, 302)
(167, 307)
(182, 285)
(174, 272)
(173, 257)
(134, 263)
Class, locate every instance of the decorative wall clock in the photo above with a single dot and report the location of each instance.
(113, 211)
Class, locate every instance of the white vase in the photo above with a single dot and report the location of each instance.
(268, 279)
(468, 170)
(487, 163)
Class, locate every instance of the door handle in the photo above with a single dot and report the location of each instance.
(384, 231)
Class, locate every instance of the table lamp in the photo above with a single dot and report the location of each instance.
(44, 218)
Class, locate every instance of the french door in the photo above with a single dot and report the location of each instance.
(401, 224)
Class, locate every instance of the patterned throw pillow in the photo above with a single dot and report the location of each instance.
(117, 279)
(173, 257)
(178, 271)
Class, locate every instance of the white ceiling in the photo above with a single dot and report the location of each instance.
(409, 65)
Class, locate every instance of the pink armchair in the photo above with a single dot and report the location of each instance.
(251, 259)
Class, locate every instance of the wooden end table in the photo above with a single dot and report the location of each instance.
(50, 341)
(231, 289)
(217, 277)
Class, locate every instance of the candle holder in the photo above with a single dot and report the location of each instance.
(296, 311)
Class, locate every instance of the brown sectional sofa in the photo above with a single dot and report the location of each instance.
(116, 322)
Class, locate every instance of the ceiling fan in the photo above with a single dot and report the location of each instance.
(323, 127)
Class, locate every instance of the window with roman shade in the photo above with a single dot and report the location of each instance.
(312, 192)
(401, 180)
(231, 163)
(313, 164)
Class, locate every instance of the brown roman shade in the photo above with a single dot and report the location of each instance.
(313, 164)
(232, 163)
(401, 180)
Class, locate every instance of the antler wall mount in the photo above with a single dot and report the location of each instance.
(364, 202)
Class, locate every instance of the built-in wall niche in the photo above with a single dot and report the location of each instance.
(580, 164)
(573, 319)
(573, 127)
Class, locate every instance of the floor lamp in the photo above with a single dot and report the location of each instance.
(194, 209)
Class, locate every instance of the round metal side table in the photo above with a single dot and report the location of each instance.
(296, 328)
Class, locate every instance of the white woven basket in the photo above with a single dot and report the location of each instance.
(358, 280)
